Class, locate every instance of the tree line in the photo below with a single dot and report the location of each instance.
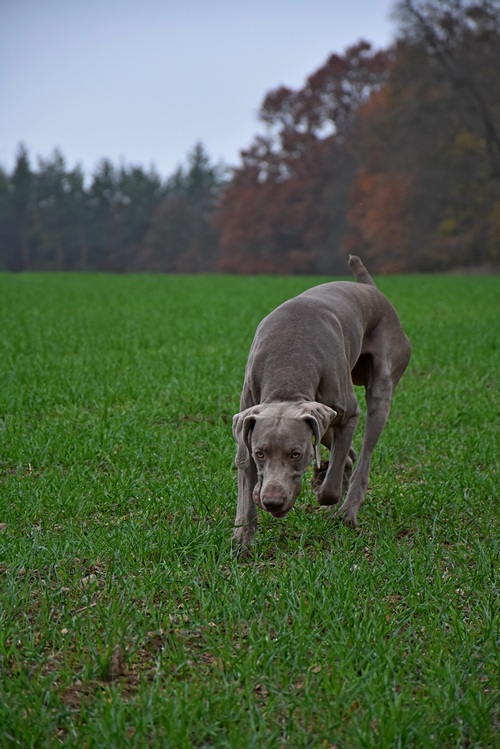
(124, 219)
(392, 154)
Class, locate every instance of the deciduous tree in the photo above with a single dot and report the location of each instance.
(276, 214)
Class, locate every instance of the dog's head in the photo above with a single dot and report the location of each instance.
(282, 439)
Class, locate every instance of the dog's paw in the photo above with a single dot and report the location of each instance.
(319, 476)
(348, 515)
(241, 551)
(326, 497)
(242, 541)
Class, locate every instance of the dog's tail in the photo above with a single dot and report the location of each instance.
(359, 271)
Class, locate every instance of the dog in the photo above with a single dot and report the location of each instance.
(298, 393)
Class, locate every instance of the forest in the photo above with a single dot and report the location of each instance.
(393, 154)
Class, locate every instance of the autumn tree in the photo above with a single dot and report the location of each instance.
(427, 139)
(276, 215)
(394, 155)
(461, 37)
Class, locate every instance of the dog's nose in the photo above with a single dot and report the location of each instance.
(273, 504)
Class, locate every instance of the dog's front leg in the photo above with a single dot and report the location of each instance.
(245, 523)
(378, 402)
(330, 490)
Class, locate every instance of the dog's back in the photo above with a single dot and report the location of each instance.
(317, 337)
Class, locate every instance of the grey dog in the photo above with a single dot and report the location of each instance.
(298, 393)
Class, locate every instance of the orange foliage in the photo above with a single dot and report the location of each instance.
(278, 215)
(381, 220)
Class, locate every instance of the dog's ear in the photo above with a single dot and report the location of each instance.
(243, 423)
(319, 417)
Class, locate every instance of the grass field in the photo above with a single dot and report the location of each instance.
(126, 620)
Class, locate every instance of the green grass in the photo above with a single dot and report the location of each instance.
(125, 619)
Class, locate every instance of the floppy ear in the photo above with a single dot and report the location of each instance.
(243, 423)
(319, 417)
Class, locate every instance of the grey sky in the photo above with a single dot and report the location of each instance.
(140, 81)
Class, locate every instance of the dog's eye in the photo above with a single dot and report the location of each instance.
(259, 454)
(295, 454)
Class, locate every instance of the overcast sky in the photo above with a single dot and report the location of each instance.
(141, 81)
